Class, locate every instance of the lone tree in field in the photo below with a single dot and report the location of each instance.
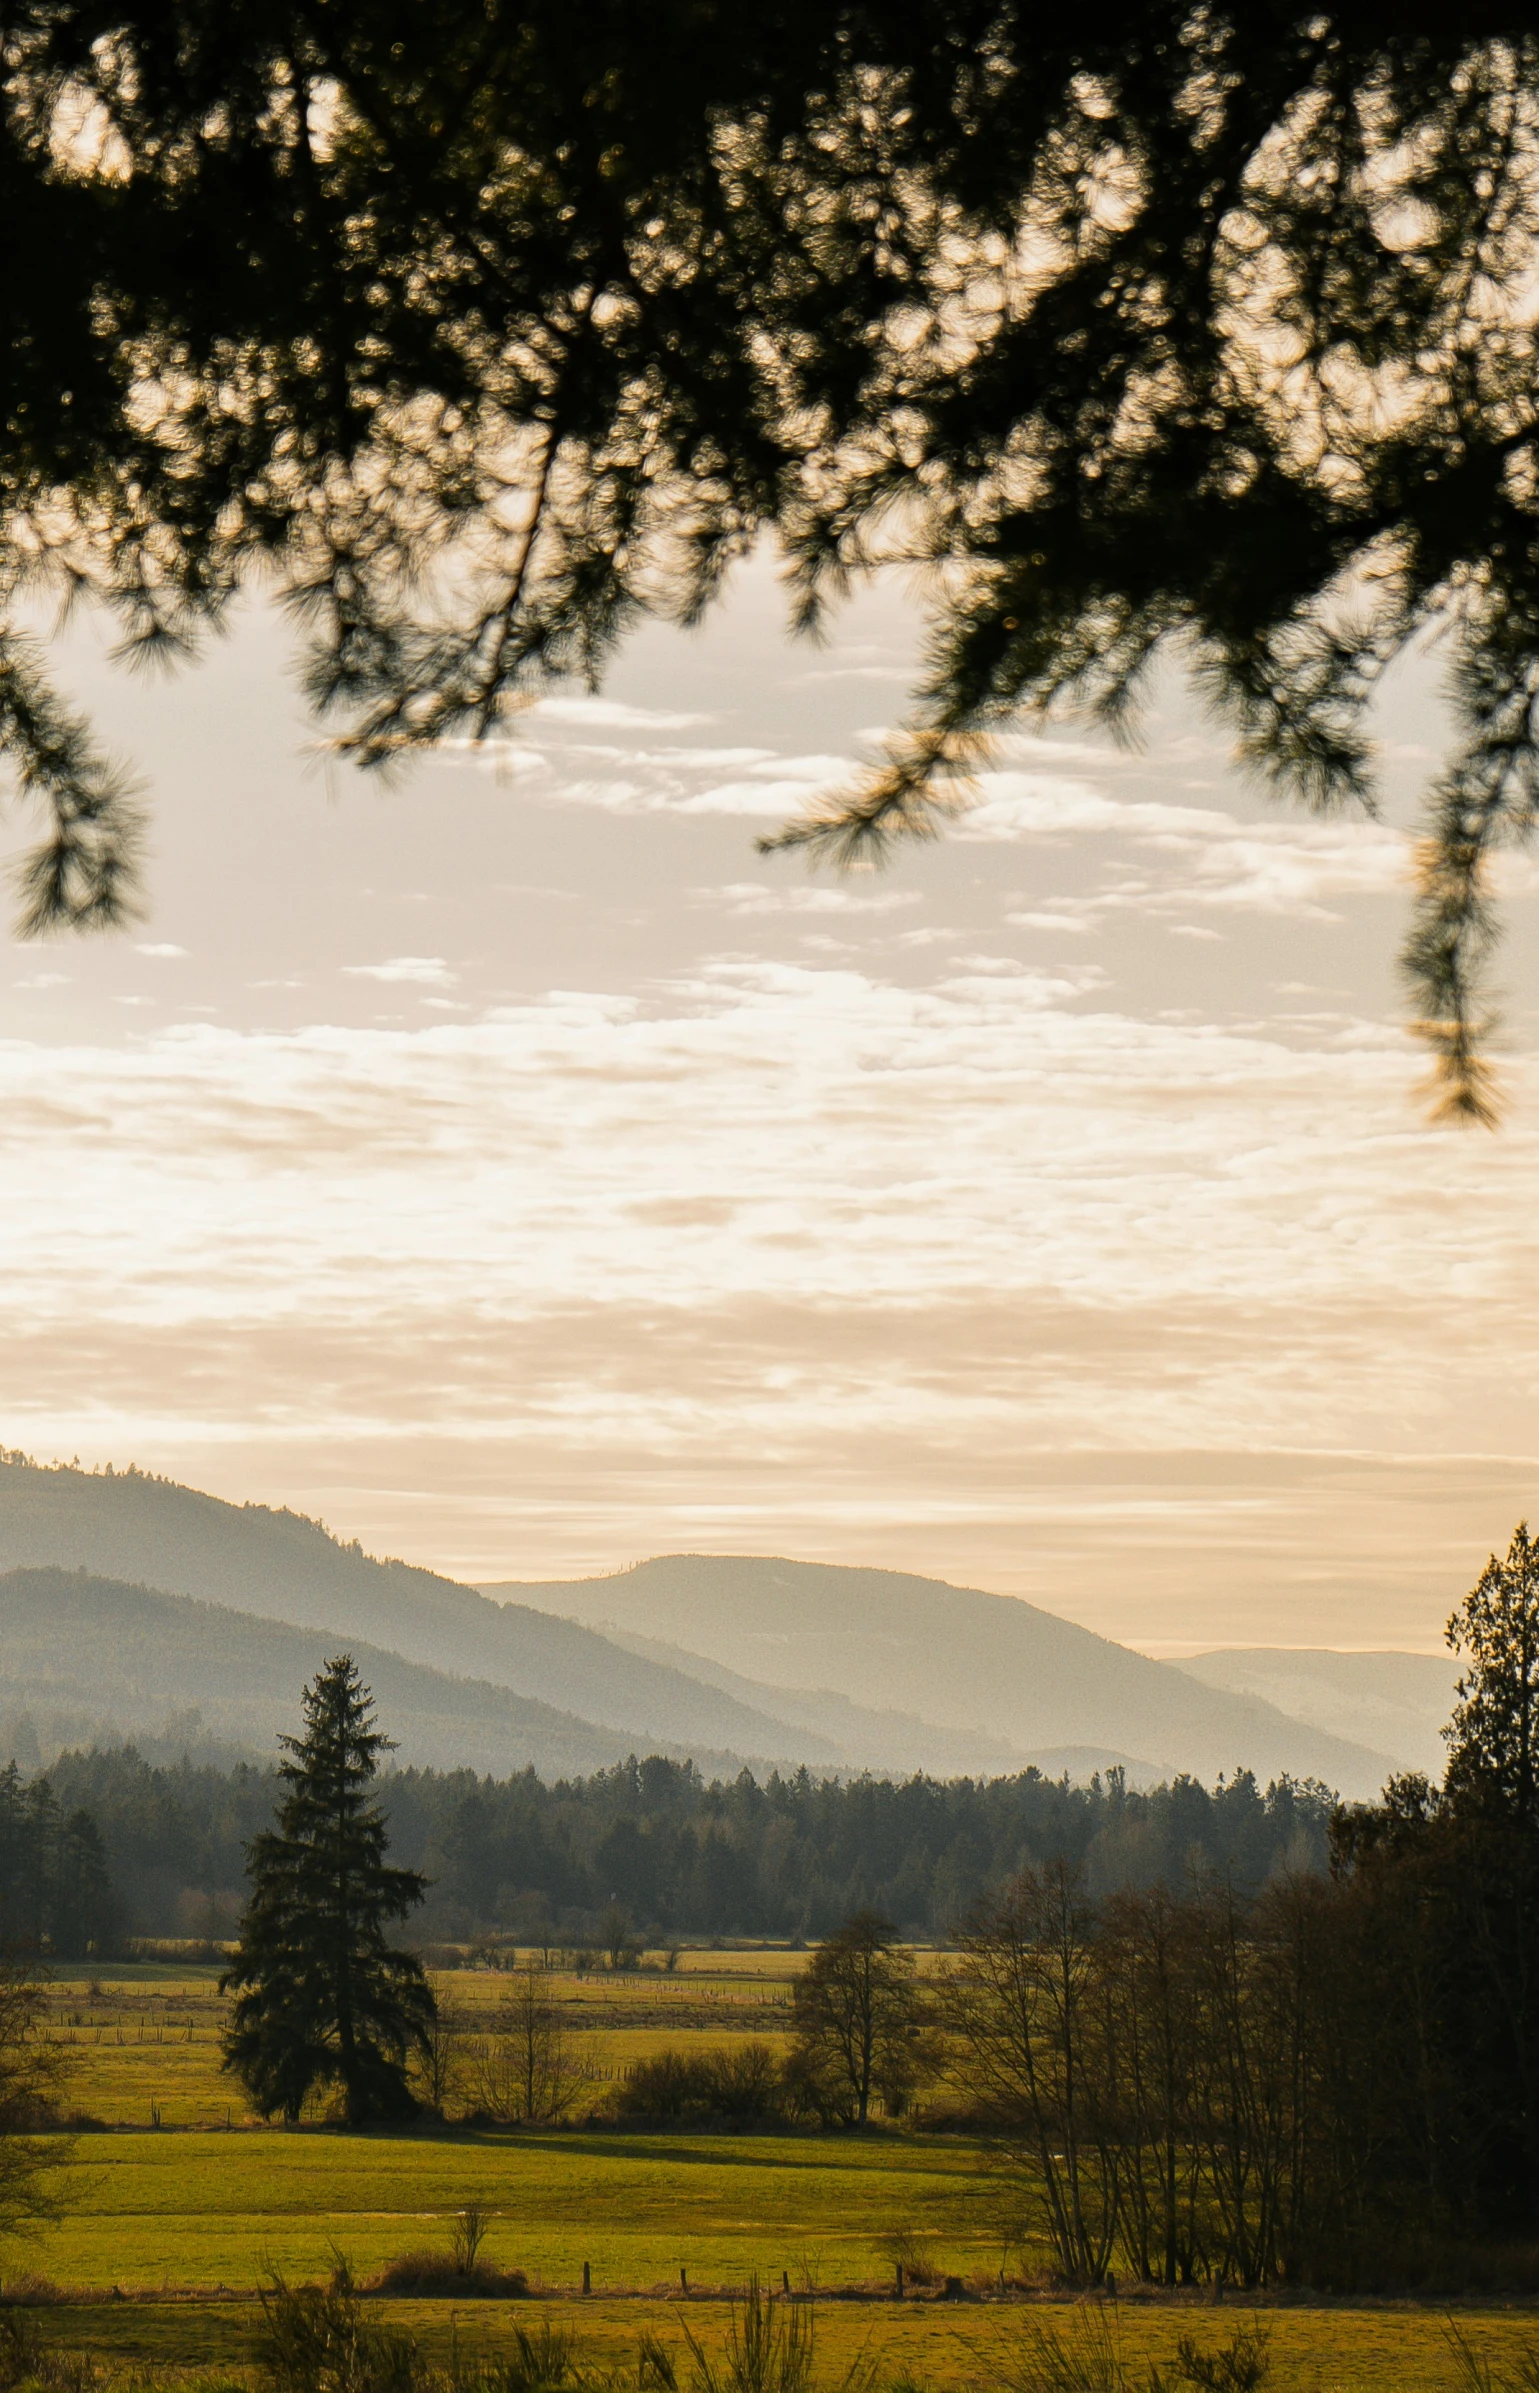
(856, 2011)
(323, 2000)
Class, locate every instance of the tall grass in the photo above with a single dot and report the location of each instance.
(1085, 2353)
(1518, 2373)
(319, 2339)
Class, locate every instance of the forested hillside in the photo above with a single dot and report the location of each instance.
(279, 1566)
(684, 1856)
(126, 1659)
(803, 1662)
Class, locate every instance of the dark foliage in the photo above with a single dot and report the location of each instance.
(1447, 1885)
(743, 2080)
(55, 1894)
(33, 2072)
(321, 1998)
(856, 2013)
(1493, 1737)
(483, 331)
(175, 1835)
(791, 1857)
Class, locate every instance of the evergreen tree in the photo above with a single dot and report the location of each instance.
(480, 331)
(323, 2000)
(85, 1909)
(1493, 1737)
(1451, 1877)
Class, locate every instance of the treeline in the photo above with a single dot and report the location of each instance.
(1199, 2087)
(56, 1894)
(1333, 2080)
(1330, 2083)
(680, 1856)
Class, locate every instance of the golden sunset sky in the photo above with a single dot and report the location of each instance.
(516, 1171)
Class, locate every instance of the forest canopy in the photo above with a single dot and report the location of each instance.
(677, 1854)
(479, 333)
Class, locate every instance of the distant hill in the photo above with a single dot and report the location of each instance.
(280, 1566)
(868, 1739)
(966, 1660)
(129, 1658)
(771, 1660)
(1396, 1701)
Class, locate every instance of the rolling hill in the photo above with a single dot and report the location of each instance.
(724, 1656)
(1396, 1701)
(129, 1659)
(280, 1566)
(957, 1656)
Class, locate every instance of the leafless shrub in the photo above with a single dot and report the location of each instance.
(906, 2248)
(432, 2276)
(442, 2055)
(530, 2070)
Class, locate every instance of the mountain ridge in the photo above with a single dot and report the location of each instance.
(825, 1664)
(66, 1634)
(280, 1565)
(1396, 1699)
(959, 1657)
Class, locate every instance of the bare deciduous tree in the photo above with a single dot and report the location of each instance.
(857, 2013)
(1160, 2072)
(1027, 2004)
(441, 2057)
(530, 2069)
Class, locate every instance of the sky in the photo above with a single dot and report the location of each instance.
(513, 1169)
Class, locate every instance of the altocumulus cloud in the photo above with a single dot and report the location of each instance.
(885, 1238)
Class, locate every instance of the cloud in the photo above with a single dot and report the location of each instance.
(1169, 855)
(611, 714)
(158, 947)
(1202, 856)
(895, 673)
(429, 972)
(761, 897)
(671, 780)
(885, 1249)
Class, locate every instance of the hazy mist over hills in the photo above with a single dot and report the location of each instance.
(729, 1659)
(111, 1660)
(967, 1660)
(1398, 1702)
(280, 1566)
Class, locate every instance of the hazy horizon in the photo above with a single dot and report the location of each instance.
(517, 1172)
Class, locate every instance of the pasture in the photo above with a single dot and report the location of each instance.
(177, 2206)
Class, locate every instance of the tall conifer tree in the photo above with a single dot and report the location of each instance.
(1493, 1738)
(323, 2000)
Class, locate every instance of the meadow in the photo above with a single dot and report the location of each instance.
(176, 2207)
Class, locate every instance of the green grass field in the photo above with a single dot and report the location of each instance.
(167, 2230)
(210, 2209)
(1341, 2349)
